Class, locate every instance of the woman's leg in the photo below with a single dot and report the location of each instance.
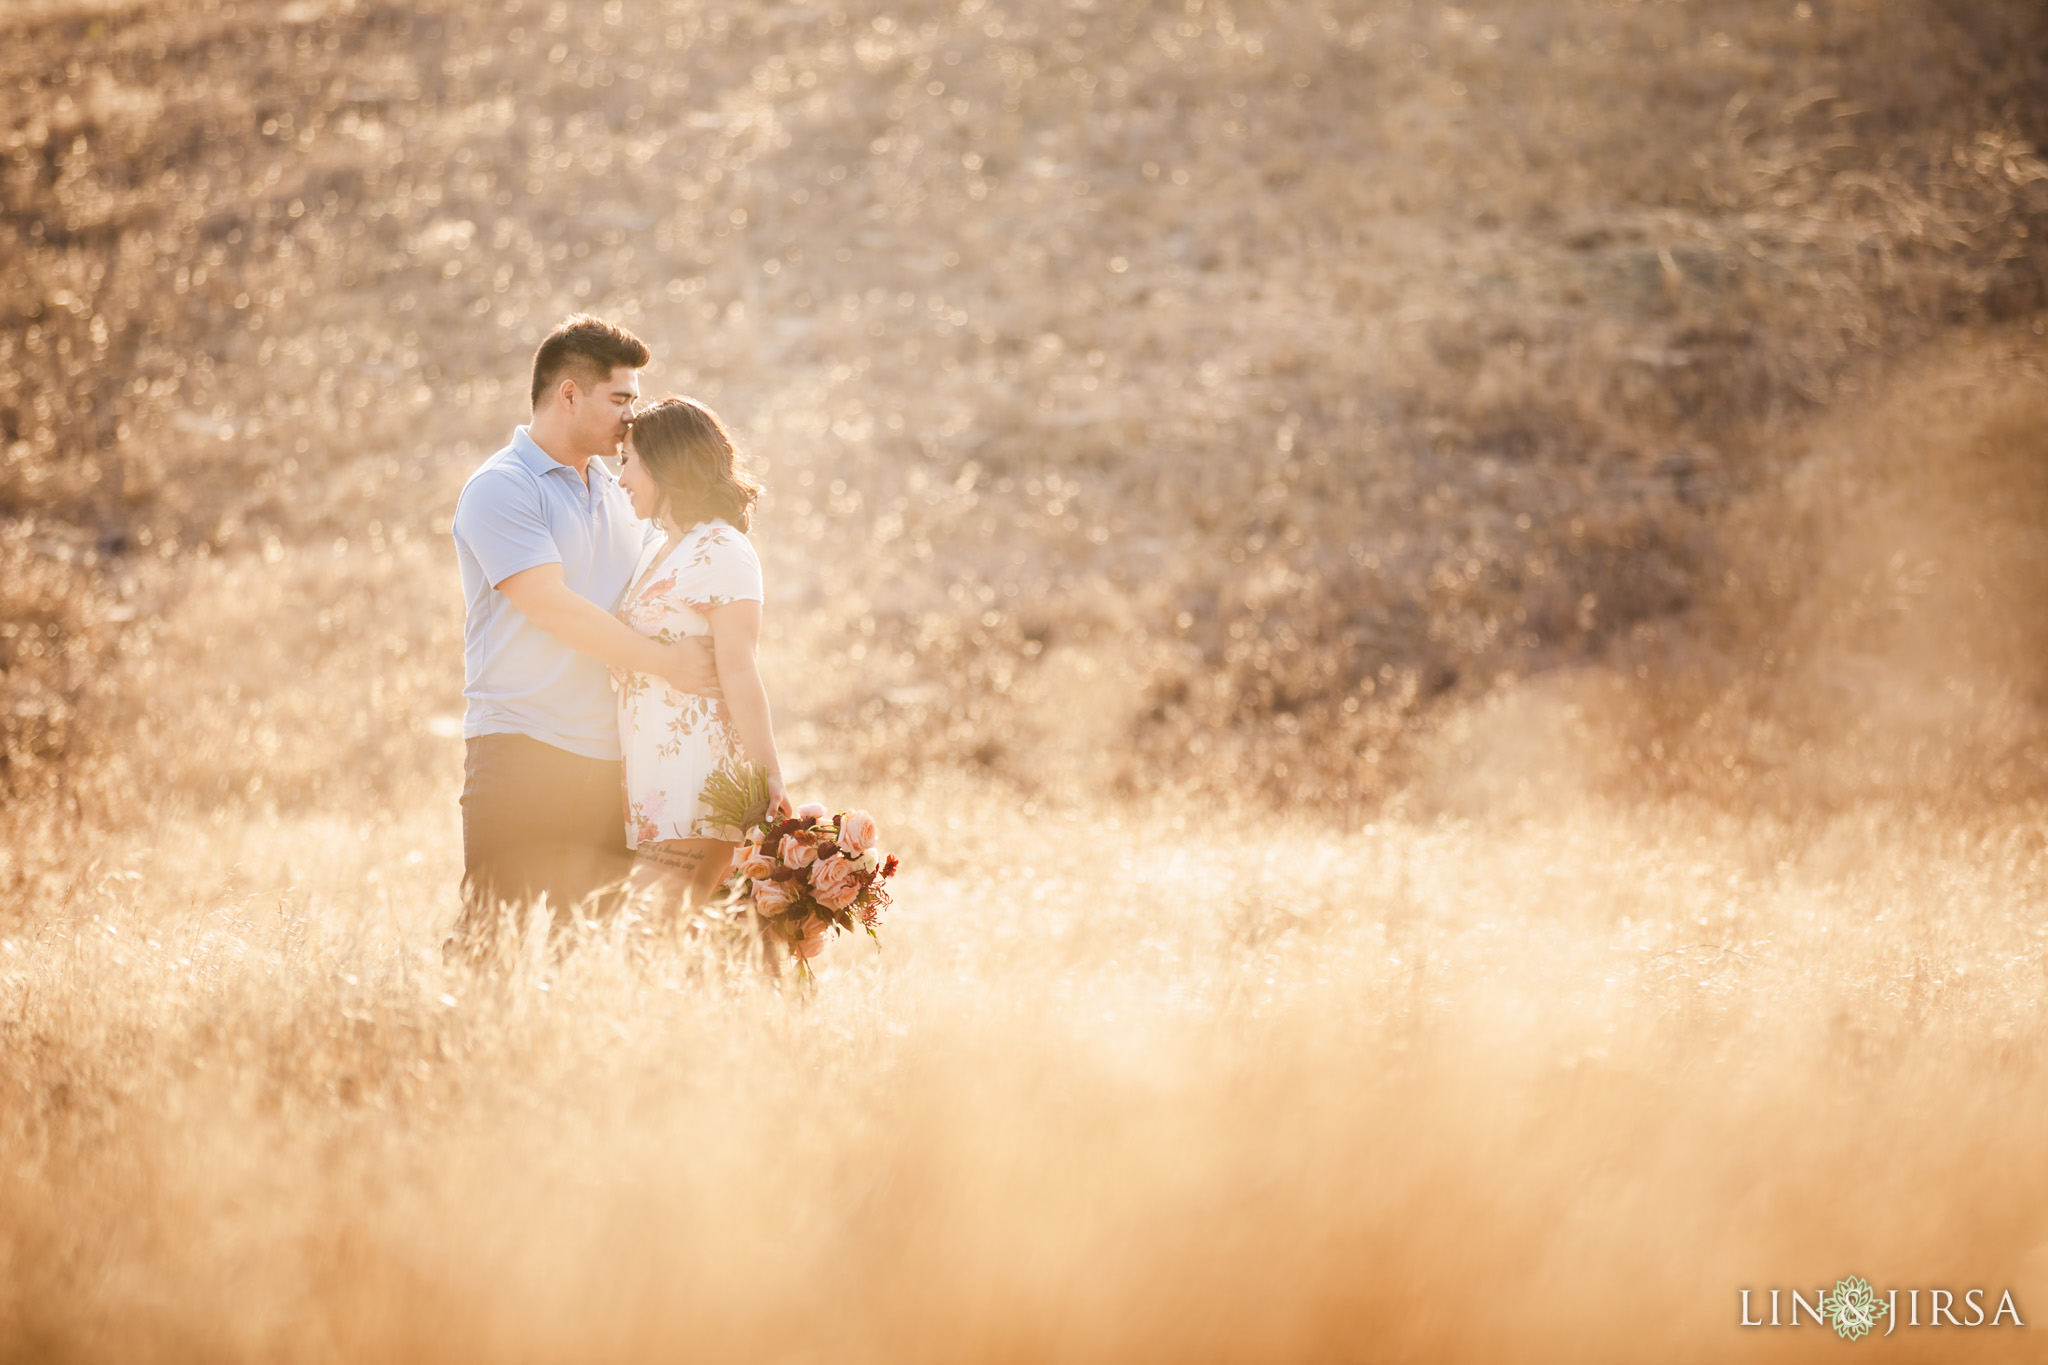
(672, 876)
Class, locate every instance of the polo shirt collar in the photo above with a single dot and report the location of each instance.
(529, 453)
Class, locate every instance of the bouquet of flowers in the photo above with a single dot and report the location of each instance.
(801, 876)
(812, 872)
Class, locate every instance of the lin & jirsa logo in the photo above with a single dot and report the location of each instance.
(1854, 1309)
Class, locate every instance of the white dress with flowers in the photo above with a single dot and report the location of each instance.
(673, 741)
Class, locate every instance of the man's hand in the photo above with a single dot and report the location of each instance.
(582, 625)
(689, 665)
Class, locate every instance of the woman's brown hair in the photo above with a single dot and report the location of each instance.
(694, 463)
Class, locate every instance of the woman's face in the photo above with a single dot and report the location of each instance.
(639, 485)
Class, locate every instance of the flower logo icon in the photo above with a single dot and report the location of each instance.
(1852, 1307)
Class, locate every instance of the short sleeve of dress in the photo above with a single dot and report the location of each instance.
(735, 568)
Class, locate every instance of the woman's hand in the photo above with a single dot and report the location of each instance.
(779, 806)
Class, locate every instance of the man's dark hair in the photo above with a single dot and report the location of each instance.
(587, 350)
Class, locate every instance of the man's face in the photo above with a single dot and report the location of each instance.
(603, 411)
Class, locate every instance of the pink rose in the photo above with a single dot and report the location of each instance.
(857, 833)
(810, 811)
(752, 862)
(796, 852)
(772, 898)
(813, 939)
(835, 883)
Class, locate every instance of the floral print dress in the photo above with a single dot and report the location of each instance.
(673, 741)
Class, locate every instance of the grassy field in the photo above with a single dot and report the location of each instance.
(1444, 603)
(1172, 1087)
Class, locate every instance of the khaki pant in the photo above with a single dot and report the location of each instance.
(536, 821)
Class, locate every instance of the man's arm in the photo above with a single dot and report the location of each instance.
(550, 603)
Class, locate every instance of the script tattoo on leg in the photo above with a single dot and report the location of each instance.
(675, 874)
(680, 859)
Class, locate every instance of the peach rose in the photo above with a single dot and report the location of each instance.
(796, 852)
(807, 947)
(752, 862)
(835, 883)
(772, 898)
(811, 810)
(857, 833)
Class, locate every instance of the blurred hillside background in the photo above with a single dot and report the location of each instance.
(1152, 397)
(1446, 605)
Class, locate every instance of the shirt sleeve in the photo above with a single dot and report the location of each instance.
(738, 568)
(498, 519)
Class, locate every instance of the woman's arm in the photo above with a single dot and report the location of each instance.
(735, 634)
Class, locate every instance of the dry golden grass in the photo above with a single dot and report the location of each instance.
(1172, 1089)
(1453, 644)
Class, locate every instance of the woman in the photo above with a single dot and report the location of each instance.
(682, 472)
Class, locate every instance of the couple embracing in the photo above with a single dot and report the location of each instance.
(609, 635)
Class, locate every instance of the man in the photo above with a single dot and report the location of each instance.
(547, 541)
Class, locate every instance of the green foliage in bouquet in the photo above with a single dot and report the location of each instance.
(736, 795)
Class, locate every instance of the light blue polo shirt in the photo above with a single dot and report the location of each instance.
(522, 508)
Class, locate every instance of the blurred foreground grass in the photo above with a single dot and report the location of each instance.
(1115, 1086)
